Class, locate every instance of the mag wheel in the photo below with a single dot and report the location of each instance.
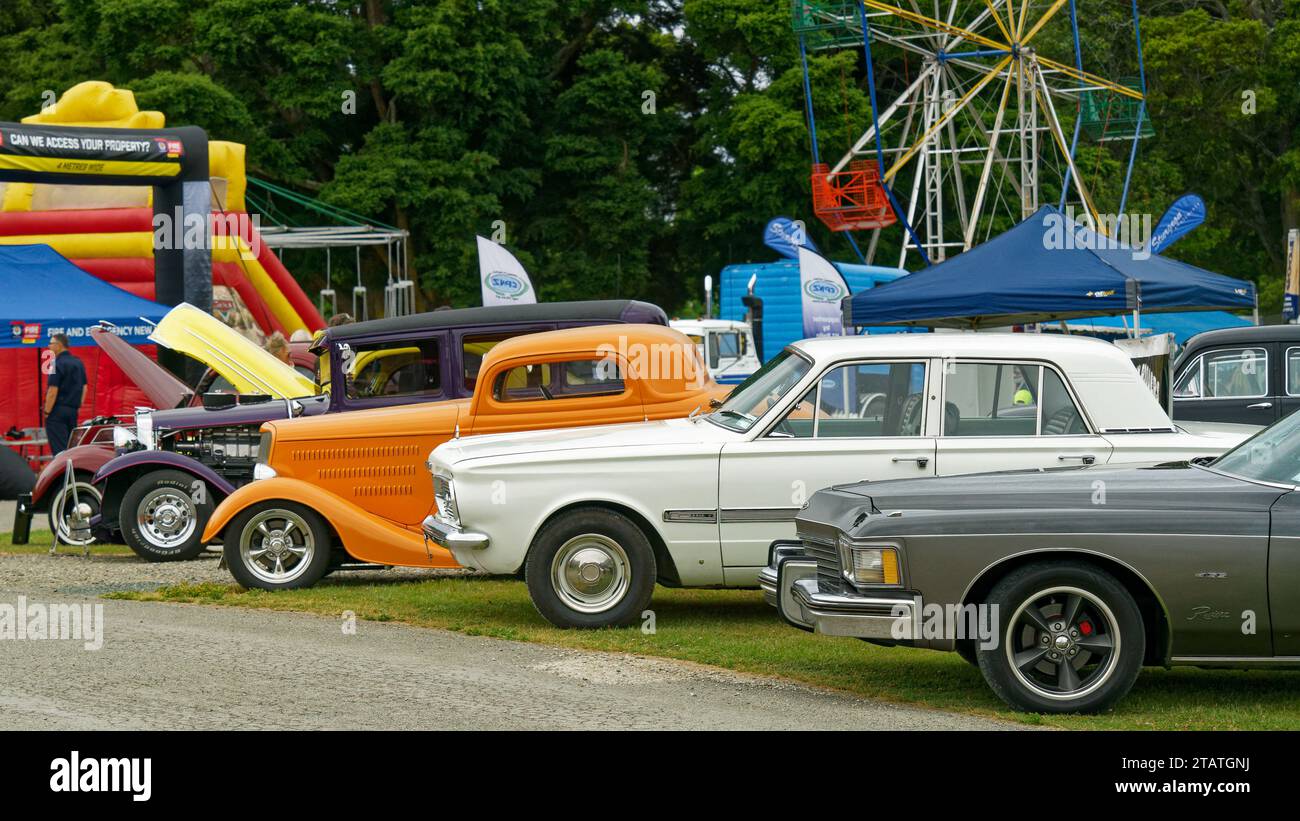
(277, 546)
(163, 514)
(1072, 639)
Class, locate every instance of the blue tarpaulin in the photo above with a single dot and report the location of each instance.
(44, 294)
(1047, 268)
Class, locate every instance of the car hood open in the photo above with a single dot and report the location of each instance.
(163, 389)
(249, 368)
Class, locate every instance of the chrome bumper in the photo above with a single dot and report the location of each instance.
(789, 584)
(452, 538)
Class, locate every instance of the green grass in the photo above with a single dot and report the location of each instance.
(41, 540)
(734, 629)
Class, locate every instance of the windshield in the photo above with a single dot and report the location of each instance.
(1272, 455)
(757, 394)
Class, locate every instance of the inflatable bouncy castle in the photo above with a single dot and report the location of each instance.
(108, 230)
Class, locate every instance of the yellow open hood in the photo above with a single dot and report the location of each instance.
(250, 369)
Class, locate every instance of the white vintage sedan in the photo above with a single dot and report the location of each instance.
(595, 516)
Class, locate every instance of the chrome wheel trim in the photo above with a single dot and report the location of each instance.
(166, 517)
(590, 573)
(1024, 654)
(86, 493)
(277, 546)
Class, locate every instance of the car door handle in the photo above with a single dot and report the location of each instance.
(1086, 458)
(1259, 406)
(921, 461)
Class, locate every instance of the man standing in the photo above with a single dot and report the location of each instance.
(63, 396)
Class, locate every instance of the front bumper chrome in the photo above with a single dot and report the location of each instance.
(789, 583)
(452, 538)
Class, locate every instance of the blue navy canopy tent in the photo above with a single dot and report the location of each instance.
(44, 293)
(1045, 269)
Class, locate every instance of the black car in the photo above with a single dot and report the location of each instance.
(1247, 375)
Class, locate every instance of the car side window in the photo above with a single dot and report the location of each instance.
(1236, 373)
(1060, 416)
(473, 349)
(1188, 385)
(404, 368)
(560, 380)
(991, 399)
(1293, 371)
(861, 400)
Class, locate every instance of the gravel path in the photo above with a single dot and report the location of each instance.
(165, 666)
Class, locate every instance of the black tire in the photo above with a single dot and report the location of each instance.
(617, 599)
(60, 506)
(146, 506)
(968, 652)
(1105, 614)
(309, 532)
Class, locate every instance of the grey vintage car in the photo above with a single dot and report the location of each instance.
(1061, 584)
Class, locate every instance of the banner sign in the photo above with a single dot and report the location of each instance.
(1291, 297)
(785, 235)
(821, 288)
(504, 280)
(1186, 213)
(88, 151)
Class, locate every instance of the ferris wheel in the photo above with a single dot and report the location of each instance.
(987, 126)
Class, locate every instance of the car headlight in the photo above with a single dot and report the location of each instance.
(124, 438)
(144, 428)
(871, 564)
(261, 470)
(444, 494)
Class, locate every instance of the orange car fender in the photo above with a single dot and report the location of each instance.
(366, 537)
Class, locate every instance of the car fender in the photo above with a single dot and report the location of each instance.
(116, 475)
(365, 537)
(84, 458)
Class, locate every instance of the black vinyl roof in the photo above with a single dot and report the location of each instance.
(612, 310)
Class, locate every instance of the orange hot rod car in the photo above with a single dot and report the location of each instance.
(341, 489)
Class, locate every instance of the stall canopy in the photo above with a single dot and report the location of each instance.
(1045, 269)
(46, 294)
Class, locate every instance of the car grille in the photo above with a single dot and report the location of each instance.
(442, 496)
(829, 571)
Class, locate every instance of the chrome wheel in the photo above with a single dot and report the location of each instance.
(61, 507)
(166, 517)
(277, 546)
(590, 573)
(1063, 643)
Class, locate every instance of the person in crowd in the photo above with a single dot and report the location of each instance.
(67, 382)
(278, 346)
(340, 319)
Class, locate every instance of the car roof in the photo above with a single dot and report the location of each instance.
(587, 338)
(612, 310)
(995, 344)
(1246, 333)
